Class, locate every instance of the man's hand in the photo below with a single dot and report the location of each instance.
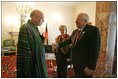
(54, 46)
(88, 71)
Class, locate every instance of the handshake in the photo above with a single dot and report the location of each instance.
(50, 48)
(54, 46)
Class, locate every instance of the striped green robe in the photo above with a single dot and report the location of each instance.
(30, 53)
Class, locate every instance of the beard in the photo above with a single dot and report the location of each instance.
(38, 23)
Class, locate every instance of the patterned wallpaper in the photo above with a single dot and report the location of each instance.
(104, 12)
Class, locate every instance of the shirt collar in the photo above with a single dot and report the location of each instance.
(80, 29)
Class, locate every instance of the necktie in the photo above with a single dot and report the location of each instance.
(76, 37)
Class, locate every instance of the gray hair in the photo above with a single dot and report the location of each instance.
(62, 26)
(85, 16)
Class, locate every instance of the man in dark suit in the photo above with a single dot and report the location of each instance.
(85, 42)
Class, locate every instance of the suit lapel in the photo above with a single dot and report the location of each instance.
(81, 34)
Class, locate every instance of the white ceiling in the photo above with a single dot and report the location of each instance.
(67, 4)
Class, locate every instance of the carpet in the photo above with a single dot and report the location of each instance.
(8, 68)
